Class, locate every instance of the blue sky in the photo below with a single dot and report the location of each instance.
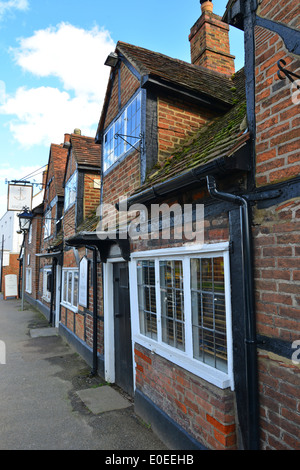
(52, 73)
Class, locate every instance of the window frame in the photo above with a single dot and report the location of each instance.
(68, 191)
(184, 358)
(46, 292)
(69, 272)
(120, 121)
(47, 224)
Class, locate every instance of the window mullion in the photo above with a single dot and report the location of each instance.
(187, 307)
(125, 129)
(228, 315)
(158, 300)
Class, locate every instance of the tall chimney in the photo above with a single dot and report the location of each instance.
(209, 40)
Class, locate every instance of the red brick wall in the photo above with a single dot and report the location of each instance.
(123, 180)
(205, 411)
(276, 231)
(277, 285)
(209, 41)
(91, 198)
(277, 114)
(176, 120)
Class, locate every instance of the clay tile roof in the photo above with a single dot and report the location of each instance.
(86, 151)
(220, 138)
(59, 158)
(192, 77)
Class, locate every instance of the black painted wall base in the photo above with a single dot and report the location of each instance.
(83, 350)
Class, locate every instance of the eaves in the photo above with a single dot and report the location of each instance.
(238, 161)
(156, 83)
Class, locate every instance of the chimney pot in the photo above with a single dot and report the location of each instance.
(77, 131)
(206, 5)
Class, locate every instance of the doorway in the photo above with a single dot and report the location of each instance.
(122, 328)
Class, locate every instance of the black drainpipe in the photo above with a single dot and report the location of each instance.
(95, 311)
(54, 263)
(250, 333)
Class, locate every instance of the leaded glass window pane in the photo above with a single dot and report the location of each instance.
(208, 311)
(172, 303)
(147, 298)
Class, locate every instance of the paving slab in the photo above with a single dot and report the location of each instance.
(101, 399)
(38, 332)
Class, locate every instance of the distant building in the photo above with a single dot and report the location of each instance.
(10, 244)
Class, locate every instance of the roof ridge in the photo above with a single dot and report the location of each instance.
(200, 68)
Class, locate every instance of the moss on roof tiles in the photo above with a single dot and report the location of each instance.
(90, 223)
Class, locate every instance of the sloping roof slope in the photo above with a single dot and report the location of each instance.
(58, 154)
(86, 151)
(195, 78)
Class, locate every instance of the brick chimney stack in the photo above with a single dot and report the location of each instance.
(209, 40)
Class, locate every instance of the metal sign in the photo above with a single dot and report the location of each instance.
(19, 197)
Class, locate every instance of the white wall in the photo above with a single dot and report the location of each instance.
(9, 224)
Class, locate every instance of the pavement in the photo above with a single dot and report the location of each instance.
(49, 400)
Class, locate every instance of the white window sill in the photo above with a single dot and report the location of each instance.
(69, 307)
(214, 376)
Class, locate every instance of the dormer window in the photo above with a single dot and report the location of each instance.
(123, 133)
(47, 224)
(71, 191)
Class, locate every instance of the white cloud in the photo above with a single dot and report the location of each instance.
(76, 57)
(2, 92)
(45, 114)
(9, 5)
(73, 55)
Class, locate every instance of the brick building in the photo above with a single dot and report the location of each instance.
(195, 311)
(10, 246)
(79, 322)
(273, 36)
(162, 117)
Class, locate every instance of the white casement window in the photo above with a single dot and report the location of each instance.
(123, 133)
(71, 190)
(46, 284)
(47, 224)
(28, 281)
(69, 297)
(183, 308)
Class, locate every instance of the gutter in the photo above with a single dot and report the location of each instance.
(250, 331)
(238, 161)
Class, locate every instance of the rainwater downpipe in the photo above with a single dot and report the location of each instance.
(250, 327)
(54, 263)
(95, 311)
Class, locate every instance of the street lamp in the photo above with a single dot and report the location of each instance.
(25, 219)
